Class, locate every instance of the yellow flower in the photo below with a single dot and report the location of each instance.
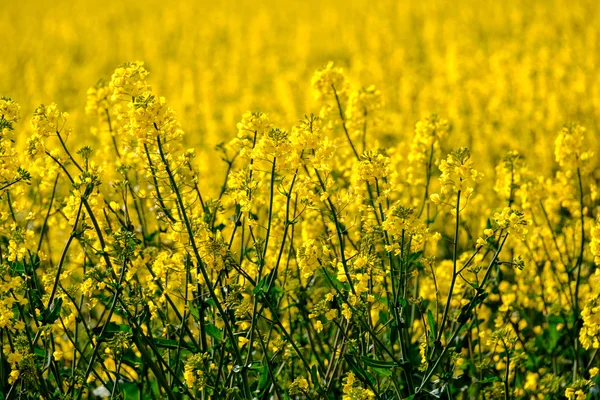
(569, 148)
(9, 110)
(242, 340)
(346, 311)
(318, 326)
(190, 378)
(458, 175)
(513, 221)
(129, 81)
(13, 376)
(14, 358)
(48, 120)
(328, 80)
(595, 243)
(302, 383)
(298, 386)
(331, 314)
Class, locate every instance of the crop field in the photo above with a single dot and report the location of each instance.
(289, 199)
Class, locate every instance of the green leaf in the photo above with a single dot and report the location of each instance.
(150, 237)
(165, 343)
(39, 352)
(214, 332)
(18, 267)
(553, 333)
(403, 303)
(264, 378)
(169, 343)
(314, 377)
(131, 390)
(110, 330)
(195, 313)
(260, 287)
(432, 324)
(211, 302)
(490, 379)
(50, 314)
(414, 256)
(114, 327)
(382, 371)
(256, 366)
(371, 362)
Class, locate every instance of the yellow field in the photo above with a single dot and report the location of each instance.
(299, 199)
(495, 69)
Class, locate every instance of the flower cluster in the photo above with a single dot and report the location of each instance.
(129, 81)
(99, 100)
(329, 81)
(253, 126)
(354, 392)
(426, 141)
(513, 221)
(590, 332)
(10, 112)
(595, 243)
(569, 151)
(458, 177)
(48, 120)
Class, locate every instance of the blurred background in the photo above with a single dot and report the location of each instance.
(507, 74)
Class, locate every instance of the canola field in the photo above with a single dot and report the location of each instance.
(299, 200)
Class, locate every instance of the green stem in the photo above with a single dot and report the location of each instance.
(454, 274)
